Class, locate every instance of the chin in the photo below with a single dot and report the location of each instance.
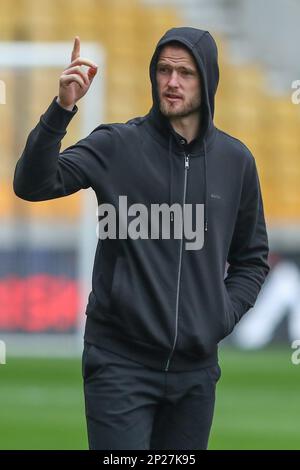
(170, 111)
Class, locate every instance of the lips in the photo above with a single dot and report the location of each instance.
(173, 97)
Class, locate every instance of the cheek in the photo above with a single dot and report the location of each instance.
(161, 87)
(195, 91)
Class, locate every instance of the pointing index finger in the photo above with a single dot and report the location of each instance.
(76, 49)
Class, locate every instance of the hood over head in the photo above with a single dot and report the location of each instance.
(203, 48)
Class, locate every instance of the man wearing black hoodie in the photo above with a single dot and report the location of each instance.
(157, 309)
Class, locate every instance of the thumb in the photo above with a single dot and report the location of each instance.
(92, 72)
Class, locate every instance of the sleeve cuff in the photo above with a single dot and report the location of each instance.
(56, 118)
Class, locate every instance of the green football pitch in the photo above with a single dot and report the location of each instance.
(257, 405)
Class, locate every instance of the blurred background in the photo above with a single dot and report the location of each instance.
(47, 248)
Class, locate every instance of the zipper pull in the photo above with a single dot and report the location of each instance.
(186, 161)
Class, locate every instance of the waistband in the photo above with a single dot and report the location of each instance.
(102, 335)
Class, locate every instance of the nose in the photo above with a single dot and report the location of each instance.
(173, 81)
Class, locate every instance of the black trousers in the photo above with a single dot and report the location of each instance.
(130, 406)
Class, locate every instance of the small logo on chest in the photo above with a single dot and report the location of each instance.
(215, 196)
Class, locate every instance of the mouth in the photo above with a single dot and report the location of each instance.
(172, 97)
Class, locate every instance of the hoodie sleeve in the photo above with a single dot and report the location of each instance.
(248, 253)
(43, 173)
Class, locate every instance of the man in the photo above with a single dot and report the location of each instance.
(157, 310)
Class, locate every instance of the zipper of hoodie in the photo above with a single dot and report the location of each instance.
(186, 167)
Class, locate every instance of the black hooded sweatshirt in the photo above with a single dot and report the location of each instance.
(153, 300)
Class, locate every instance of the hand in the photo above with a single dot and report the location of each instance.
(74, 81)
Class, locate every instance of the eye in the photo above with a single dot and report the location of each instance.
(186, 72)
(162, 69)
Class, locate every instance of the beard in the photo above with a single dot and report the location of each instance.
(185, 108)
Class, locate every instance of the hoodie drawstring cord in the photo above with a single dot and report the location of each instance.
(171, 170)
(205, 190)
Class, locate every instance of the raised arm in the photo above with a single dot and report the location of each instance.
(42, 172)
